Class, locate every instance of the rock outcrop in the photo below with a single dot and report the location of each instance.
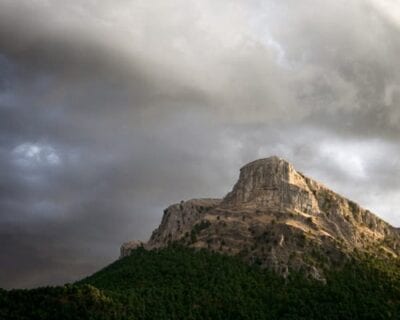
(271, 183)
(127, 247)
(179, 219)
(278, 218)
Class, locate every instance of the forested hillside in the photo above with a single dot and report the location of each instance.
(181, 283)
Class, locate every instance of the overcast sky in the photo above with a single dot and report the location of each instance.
(112, 110)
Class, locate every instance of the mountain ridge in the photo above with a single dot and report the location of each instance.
(278, 218)
(225, 258)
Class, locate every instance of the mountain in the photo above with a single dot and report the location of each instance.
(278, 246)
(280, 219)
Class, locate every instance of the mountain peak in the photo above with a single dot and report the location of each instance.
(272, 160)
(271, 183)
(279, 218)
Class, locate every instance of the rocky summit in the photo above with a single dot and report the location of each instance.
(279, 219)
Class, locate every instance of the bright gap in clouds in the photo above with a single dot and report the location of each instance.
(34, 154)
(390, 8)
(347, 157)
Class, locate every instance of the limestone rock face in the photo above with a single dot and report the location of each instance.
(271, 183)
(179, 219)
(278, 218)
(127, 247)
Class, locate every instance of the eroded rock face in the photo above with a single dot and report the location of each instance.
(278, 218)
(271, 183)
(179, 219)
(127, 247)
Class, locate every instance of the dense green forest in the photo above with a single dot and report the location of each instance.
(180, 283)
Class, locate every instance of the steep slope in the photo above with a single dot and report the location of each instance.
(280, 219)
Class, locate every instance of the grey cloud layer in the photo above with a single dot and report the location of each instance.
(112, 110)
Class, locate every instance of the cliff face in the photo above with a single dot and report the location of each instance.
(179, 219)
(271, 183)
(278, 218)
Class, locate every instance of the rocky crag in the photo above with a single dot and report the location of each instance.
(278, 218)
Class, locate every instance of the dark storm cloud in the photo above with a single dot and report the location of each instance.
(110, 111)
